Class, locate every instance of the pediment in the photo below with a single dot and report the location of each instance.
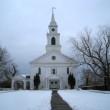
(48, 58)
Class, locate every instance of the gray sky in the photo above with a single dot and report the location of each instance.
(24, 24)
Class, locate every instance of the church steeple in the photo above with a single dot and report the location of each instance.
(53, 25)
(53, 36)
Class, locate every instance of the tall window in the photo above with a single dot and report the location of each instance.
(67, 70)
(53, 41)
(53, 71)
(39, 70)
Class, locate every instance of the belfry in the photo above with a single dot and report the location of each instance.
(53, 37)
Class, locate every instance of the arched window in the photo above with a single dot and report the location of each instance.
(53, 41)
(39, 70)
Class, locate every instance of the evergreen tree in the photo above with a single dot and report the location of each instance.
(71, 81)
(36, 81)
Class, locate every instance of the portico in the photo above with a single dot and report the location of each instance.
(54, 82)
(20, 81)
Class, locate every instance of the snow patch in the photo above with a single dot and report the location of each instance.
(86, 100)
(25, 100)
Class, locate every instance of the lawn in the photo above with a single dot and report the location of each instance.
(41, 100)
(25, 100)
(86, 100)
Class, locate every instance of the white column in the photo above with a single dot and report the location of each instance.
(24, 84)
(77, 81)
(45, 83)
(60, 83)
(32, 81)
(31, 87)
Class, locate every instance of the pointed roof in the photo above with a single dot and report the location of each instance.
(53, 22)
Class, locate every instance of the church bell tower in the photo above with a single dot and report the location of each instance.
(53, 42)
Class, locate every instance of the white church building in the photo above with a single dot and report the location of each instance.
(53, 67)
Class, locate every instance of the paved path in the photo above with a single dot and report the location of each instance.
(58, 103)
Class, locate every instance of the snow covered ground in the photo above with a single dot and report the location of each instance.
(25, 100)
(86, 100)
(41, 100)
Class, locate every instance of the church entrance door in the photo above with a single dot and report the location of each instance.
(54, 84)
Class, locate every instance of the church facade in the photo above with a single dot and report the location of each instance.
(53, 67)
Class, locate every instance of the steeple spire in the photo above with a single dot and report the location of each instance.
(53, 18)
(53, 22)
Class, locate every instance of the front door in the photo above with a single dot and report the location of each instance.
(54, 84)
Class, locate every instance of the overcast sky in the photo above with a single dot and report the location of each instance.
(24, 24)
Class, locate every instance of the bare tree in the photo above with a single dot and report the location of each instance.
(4, 57)
(7, 68)
(91, 79)
(93, 50)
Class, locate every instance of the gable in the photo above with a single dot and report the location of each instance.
(18, 77)
(53, 57)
